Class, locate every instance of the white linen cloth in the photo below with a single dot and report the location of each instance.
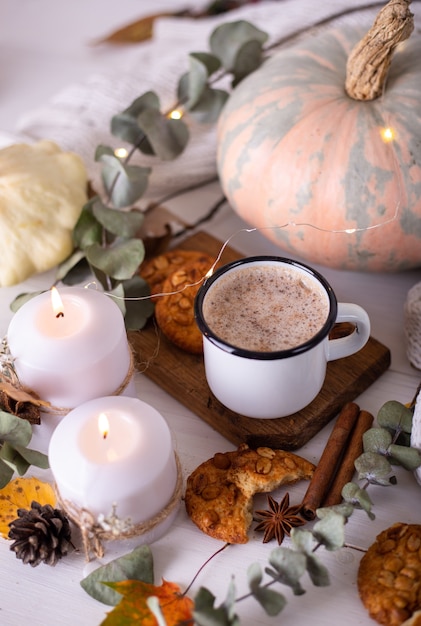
(78, 118)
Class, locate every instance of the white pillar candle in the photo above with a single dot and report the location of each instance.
(74, 355)
(132, 468)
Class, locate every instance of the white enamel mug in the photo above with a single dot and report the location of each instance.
(277, 383)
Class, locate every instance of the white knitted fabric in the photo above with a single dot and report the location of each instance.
(412, 325)
(78, 118)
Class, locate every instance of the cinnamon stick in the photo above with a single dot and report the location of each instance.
(346, 470)
(327, 465)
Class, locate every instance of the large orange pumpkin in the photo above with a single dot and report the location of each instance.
(294, 148)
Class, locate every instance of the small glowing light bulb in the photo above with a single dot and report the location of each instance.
(350, 231)
(121, 153)
(388, 134)
(176, 114)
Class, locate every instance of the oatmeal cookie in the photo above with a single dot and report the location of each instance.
(389, 575)
(174, 312)
(219, 493)
(158, 268)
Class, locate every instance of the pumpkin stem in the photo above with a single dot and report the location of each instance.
(370, 59)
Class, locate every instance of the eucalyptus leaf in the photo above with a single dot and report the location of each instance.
(409, 458)
(87, 230)
(271, 601)
(66, 267)
(117, 295)
(126, 128)
(254, 575)
(192, 84)
(302, 540)
(120, 223)
(227, 39)
(125, 124)
(289, 566)
(394, 415)
(344, 508)
(168, 137)
(377, 440)
(6, 474)
(206, 614)
(210, 105)
(229, 602)
(318, 572)
(375, 468)
(119, 261)
(101, 150)
(137, 565)
(33, 457)
(124, 183)
(22, 298)
(352, 493)
(137, 311)
(13, 459)
(14, 430)
(330, 532)
(248, 59)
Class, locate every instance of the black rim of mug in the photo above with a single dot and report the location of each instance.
(253, 354)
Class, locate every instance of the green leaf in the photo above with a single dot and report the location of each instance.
(248, 59)
(33, 457)
(330, 532)
(227, 40)
(289, 567)
(270, 600)
(118, 293)
(124, 183)
(137, 311)
(66, 270)
(21, 299)
(352, 493)
(254, 576)
(119, 261)
(394, 415)
(168, 137)
(318, 573)
(375, 468)
(120, 223)
(409, 458)
(125, 125)
(101, 150)
(13, 459)
(344, 508)
(302, 540)
(87, 230)
(192, 84)
(210, 105)
(6, 474)
(137, 565)
(14, 430)
(206, 614)
(377, 440)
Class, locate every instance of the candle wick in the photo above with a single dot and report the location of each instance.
(104, 436)
(61, 314)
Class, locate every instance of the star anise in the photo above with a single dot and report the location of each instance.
(279, 519)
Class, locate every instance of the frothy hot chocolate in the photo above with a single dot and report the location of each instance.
(266, 307)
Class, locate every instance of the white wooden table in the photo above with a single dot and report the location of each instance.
(43, 48)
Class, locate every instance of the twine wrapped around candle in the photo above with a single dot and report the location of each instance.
(8, 375)
(95, 533)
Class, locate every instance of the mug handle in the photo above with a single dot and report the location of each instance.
(345, 346)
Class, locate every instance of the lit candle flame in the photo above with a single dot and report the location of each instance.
(103, 425)
(57, 303)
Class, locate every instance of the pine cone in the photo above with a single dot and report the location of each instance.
(41, 534)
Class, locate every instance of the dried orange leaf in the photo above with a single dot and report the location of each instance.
(19, 494)
(133, 608)
(137, 31)
(21, 395)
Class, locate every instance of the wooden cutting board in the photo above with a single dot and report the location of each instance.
(182, 375)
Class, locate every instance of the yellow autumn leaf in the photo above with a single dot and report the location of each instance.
(18, 494)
